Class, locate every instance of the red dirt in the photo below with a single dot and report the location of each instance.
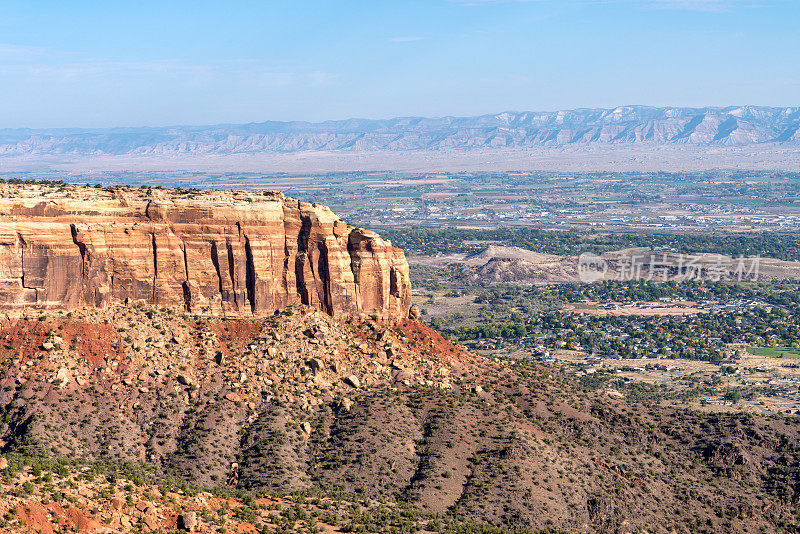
(233, 335)
(23, 337)
(93, 342)
(81, 521)
(35, 517)
(429, 339)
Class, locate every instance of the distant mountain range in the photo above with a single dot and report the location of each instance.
(637, 125)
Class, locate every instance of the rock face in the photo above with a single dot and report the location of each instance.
(212, 252)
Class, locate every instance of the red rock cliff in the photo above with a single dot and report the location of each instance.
(214, 252)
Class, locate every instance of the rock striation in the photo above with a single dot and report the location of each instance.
(226, 253)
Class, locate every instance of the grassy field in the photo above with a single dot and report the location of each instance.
(775, 352)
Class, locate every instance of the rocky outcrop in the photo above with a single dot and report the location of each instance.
(212, 252)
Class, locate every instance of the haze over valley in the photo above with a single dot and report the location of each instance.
(623, 138)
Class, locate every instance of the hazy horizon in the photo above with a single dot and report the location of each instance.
(155, 64)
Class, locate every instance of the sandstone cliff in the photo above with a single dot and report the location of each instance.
(212, 252)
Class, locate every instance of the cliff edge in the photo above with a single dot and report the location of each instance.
(222, 253)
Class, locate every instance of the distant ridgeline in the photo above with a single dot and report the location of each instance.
(735, 126)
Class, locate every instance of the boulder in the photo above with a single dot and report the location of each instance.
(352, 381)
(187, 521)
(315, 365)
(63, 376)
(345, 404)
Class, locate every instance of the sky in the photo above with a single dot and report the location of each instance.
(154, 63)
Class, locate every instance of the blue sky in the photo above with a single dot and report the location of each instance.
(124, 63)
